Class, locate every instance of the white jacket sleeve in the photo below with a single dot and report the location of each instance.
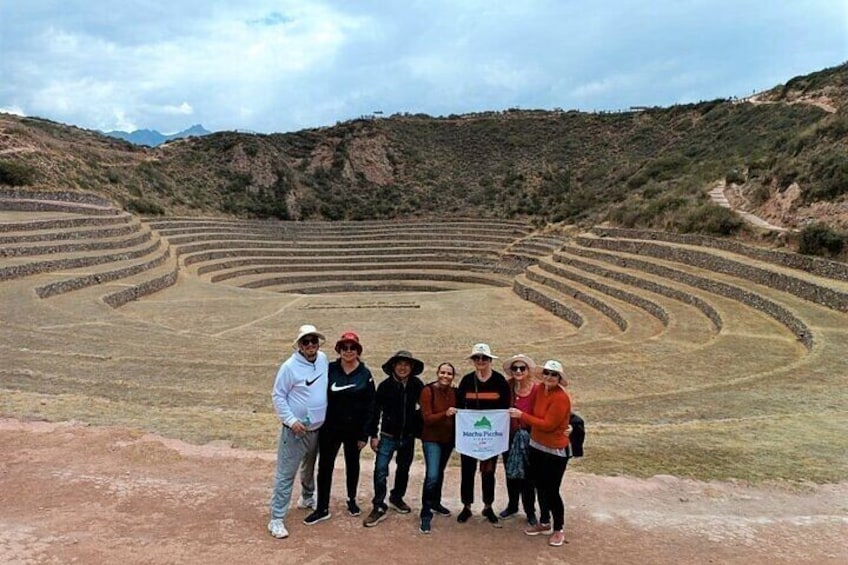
(280, 396)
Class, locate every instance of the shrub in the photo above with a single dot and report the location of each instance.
(16, 174)
(710, 219)
(145, 207)
(819, 239)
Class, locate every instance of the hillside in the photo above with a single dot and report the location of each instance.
(784, 153)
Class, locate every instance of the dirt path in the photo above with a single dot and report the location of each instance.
(70, 493)
(718, 196)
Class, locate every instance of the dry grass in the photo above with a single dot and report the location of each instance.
(197, 361)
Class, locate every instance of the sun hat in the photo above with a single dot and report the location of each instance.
(417, 366)
(305, 330)
(349, 337)
(553, 365)
(531, 365)
(482, 349)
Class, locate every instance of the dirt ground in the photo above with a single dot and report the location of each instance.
(72, 493)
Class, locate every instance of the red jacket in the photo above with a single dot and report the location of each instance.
(549, 419)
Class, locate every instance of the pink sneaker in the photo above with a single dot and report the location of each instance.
(557, 538)
(539, 529)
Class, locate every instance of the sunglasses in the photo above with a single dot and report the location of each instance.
(518, 368)
(550, 373)
(309, 341)
(479, 358)
(348, 348)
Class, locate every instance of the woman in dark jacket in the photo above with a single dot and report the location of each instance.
(350, 405)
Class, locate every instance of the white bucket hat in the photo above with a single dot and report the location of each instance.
(305, 330)
(482, 349)
(553, 365)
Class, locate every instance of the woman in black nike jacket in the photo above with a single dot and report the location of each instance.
(350, 406)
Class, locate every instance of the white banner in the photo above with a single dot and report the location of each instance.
(482, 434)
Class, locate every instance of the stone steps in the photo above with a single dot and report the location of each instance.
(820, 290)
(704, 280)
(229, 272)
(377, 275)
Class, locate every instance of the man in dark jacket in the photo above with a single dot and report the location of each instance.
(398, 416)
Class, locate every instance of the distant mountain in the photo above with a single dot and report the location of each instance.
(153, 138)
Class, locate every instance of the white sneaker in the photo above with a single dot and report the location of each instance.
(278, 528)
(306, 503)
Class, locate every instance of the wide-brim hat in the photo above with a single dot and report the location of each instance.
(552, 365)
(531, 365)
(482, 349)
(349, 337)
(305, 330)
(417, 365)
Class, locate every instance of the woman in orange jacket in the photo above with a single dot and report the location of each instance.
(549, 452)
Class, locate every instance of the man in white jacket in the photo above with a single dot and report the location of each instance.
(300, 399)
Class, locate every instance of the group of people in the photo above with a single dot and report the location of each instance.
(326, 406)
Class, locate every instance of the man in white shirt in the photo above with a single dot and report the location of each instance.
(300, 399)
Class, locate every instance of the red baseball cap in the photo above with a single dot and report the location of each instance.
(349, 337)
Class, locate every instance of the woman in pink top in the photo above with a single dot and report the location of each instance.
(519, 370)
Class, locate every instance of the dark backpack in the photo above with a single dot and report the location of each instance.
(578, 434)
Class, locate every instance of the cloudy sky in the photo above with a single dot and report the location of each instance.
(284, 65)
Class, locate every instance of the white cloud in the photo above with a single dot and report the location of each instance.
(279, 65)
(14, 110)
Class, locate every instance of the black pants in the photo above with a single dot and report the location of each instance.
(546, 471)
(487, 477)
(329, 442)
(520, 488)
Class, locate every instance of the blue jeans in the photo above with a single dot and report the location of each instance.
(436, 457)
(292, 453)
(387, 448)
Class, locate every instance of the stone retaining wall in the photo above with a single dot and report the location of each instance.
(815, 265)
(75, 247)
(77, 283)
(769, 307)
(639, 282)
(65, 235)
(238, 249)
(59, 196)
(65, 223)
(580, 296)
(118, 299)
(35, 267)
(648, 306)
(807, 290)
(384, 276)
(555, 307)
(55, 206)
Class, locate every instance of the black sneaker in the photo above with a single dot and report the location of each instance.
(489, 515)
(317, 516)
(399, 505)
(508, 513)
(353, 508)
(441, 510)
(464, 515)
(377, 515)
(425, 525)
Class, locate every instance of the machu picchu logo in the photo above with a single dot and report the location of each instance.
(483, 424)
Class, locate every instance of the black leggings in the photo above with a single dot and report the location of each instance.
(546, 471)
(328, 447)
